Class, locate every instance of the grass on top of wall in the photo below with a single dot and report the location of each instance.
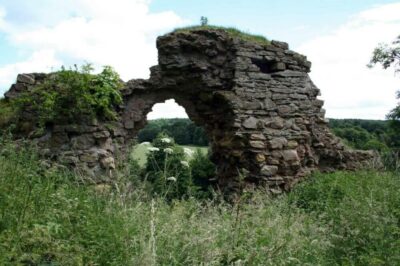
(233, 32)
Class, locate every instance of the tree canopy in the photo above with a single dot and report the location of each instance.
(388, 55)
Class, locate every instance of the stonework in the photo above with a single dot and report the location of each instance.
(256, 102)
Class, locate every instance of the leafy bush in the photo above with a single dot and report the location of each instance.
(68, 94)
(7, 113)
(167, 169)
(391, 160)
(203, 171)
(176, 172)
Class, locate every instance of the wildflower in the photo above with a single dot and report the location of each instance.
(166, 140)
(168, 150)
(171, 178)
(188, 152)
(153, 149)
(185, 163)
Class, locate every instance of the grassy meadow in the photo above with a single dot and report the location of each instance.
(47, 217)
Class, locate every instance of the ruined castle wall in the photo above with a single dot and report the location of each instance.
(256, 102)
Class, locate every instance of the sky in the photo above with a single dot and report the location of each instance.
(337, 36)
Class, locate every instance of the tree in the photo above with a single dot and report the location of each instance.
(203, 21)
(389, 55)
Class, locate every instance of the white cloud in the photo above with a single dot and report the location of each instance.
(168, 109)
(2, 16)
(120, 33)
(40, 61)
(349, 88)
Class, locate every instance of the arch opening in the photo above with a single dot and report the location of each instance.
(171, 118)
(174, 148)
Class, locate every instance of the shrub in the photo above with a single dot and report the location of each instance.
(68, 94)
(203, 172)
(391, 160)
(168, 170)
(7, 113)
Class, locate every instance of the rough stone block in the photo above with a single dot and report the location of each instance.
(26, 78)
(257, 144)
(290, 155)
(251, 123)
(269, 170)
(278, 143)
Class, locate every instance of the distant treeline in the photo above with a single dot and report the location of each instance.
(366, 134)
(357, 133)
(183, 130)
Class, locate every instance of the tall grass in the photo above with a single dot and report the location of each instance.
(46, 218)
(6, 113)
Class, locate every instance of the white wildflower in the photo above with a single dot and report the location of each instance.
(168, 150)
(171, 178)
(153, 149)
(185, 163)
(145, 143)
(166, 140)
(188, 152)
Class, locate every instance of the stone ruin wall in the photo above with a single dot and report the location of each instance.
(256, 102)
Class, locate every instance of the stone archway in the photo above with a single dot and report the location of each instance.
(256, 102)
(209, 110)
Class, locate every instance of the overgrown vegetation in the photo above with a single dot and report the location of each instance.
(233, 32)
(7, 113)
(47, 218)
(389, 56)
(173, 172)
(71, 93)
(363, 134)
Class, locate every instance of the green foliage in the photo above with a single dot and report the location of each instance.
(387, 56)
(167, 169)
(394, 114)
(7, 113)
(203, 21)
(233, 32)
(182, 130)
(391, 160)
(362, 134)
(361, 212)
(46, 218)
(174, 171)
(203, 170)
(68, 94)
